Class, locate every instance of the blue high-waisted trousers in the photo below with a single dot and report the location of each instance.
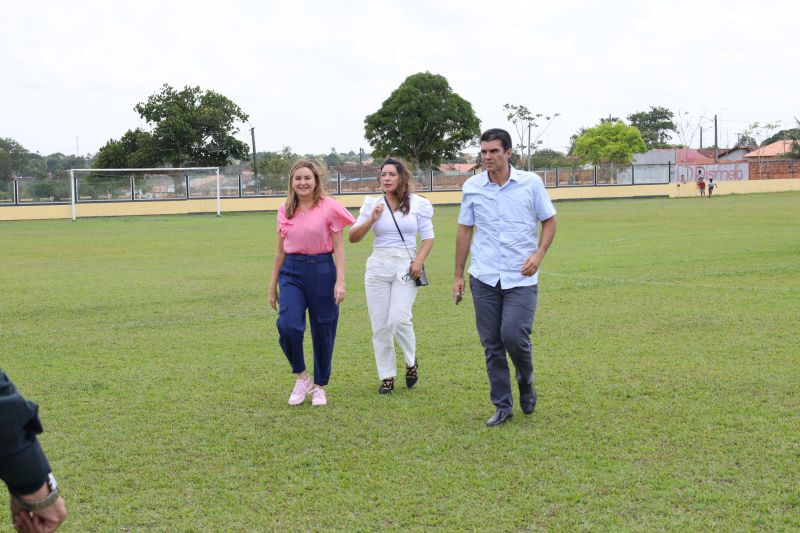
(306, 282)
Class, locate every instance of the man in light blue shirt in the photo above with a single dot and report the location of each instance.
(502, 208)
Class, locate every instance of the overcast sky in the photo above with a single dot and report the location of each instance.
(308, 72)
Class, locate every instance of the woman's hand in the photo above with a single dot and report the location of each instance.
(377, 212)
(273, 297)
(416, 269)
(338, 292)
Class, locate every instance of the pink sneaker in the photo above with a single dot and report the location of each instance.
(318, 396)
(301, 388)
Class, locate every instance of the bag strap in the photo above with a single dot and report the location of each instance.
(386, 200)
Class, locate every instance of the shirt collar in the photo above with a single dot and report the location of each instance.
(512, 176)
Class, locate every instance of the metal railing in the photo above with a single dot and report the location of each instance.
(56, 190)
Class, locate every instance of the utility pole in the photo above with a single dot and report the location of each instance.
(255, 161)
(529, 146)
(716, 147)
(701, 137)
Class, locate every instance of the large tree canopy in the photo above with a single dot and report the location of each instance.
(609, 143)
(423, 121)
(136, 149)
(788, 135)
(14, 159)
(190, 127)
(654, 125)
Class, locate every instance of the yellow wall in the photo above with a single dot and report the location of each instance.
(37, 212)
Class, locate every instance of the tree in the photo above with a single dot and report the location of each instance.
(423, 120)
(609, 143)
(757, 130)
(17, 161)
(787, 134)
(746, 140)
(5, 165)
(654, 125)
(333, 158)
(524, 121)
(573, 138)
(136, 149)
(609, 119)
(274, 167)
(190, 128)
(193, 127)
(548, 158)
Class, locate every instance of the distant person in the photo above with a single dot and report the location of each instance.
(36, 504)
(701, 185)
(502, 208)
(394, 267)
(711, 186)
(308, 274)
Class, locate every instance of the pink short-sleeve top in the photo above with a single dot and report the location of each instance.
(309, 232)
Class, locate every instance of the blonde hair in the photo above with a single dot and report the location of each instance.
(292, 201)
(403, 191)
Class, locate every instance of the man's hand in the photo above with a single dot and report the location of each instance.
(531, 264)
(458, 289)
(45, 520)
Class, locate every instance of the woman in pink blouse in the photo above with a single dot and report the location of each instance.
(310, 238)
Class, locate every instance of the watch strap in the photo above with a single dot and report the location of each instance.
(45, 502)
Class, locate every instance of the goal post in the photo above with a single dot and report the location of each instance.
(115, 185)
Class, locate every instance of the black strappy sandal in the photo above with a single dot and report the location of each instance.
(411, 375)
(387, 386)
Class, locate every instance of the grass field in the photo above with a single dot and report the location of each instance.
(667, 354)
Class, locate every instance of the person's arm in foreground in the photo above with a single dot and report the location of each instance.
(280, 257)
(531, 265)
(24, 467)
(463, 241)
(338, 256)
(42, 520)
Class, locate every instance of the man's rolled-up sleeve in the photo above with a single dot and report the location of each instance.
(23, 464)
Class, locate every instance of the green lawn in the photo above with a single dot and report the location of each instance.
(667, 348)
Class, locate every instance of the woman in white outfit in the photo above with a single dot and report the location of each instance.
(394, 267)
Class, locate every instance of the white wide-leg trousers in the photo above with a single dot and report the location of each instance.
(390, 297)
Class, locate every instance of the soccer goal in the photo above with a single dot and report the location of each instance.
(114, 185)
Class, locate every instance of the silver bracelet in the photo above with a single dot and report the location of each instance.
(45, 502)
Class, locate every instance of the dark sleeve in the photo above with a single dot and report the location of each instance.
(23, 465)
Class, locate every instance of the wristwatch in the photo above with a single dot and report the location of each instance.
(45, 502)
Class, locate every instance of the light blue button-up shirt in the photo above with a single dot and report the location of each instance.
(506, 221)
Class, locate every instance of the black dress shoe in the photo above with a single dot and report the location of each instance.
(499, 417)
(527, 398)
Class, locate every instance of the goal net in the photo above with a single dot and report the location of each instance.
(100, 187)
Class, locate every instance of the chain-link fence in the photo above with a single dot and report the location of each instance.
(6, 191)
(341, 179)
(41, 191)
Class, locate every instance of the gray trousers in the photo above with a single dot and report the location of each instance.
(504, 318)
